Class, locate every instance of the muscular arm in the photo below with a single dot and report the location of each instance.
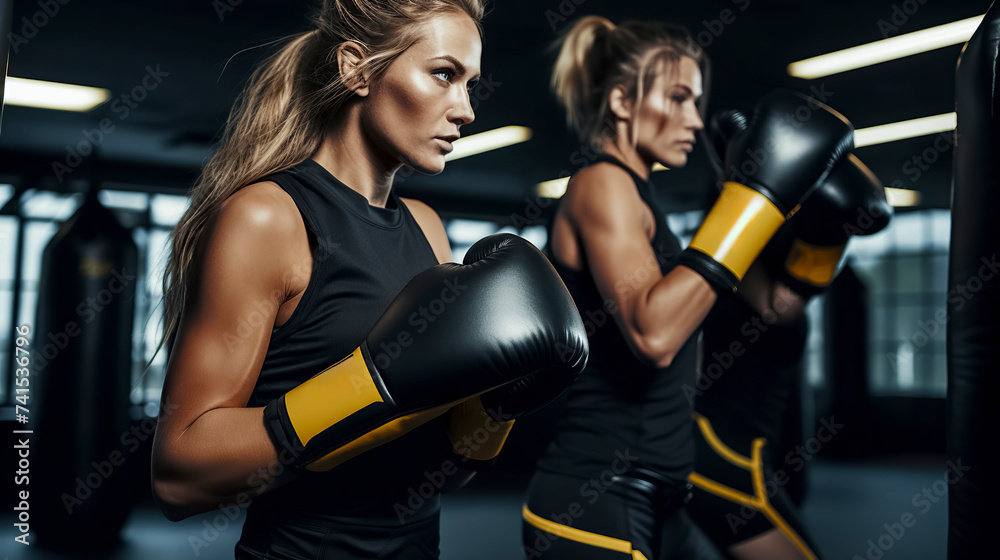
(208, 448)
(656, 313)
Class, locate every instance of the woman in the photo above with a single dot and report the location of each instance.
(294, 248)
(613, 482)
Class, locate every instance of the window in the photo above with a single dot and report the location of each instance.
(40, 215)
(906, 270)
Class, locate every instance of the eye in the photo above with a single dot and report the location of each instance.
(444, 74)
(680, 99)
(473, 84)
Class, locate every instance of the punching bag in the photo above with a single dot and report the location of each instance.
(80, 381)
(973, 407)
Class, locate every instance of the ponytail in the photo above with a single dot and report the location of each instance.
(572, 80)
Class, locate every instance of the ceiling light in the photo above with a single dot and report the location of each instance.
(489, 140)
(904, 129)
(53, 95)
(552, 189)
(902, 197)
(887, 49)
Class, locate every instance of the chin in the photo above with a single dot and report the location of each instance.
(675, 160)
(431, 165)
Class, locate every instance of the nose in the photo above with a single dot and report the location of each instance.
(462, 112)
(694, 120)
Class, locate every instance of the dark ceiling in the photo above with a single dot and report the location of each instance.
(160, 143)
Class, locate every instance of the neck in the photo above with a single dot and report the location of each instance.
(622, 149)
(351, 156)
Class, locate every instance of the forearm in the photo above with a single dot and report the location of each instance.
(224, 457)
(668, 314)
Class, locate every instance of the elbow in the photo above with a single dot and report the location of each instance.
(175, 497)
(665, 360)
(169, 498)
(654, 351)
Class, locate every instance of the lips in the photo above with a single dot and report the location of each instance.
(446, 142)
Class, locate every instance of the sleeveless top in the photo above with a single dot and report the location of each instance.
(622, 411)
(362, 257)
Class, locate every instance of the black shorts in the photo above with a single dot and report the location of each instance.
(737, 495)
(569, 518)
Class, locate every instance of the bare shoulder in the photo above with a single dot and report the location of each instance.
(432, 226)
(261, 206)
(419, 208)
(602, 192)
(259, 233)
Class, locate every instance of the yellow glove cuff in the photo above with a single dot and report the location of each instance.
(473, 433)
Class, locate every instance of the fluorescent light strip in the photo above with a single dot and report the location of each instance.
(904, 129)
(489, 140)
(887, 49)
(52, 95)
(557, 187)
(552, 189)
(901, 197)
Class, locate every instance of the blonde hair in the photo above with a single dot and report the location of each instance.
(280, 117)
(595, 56)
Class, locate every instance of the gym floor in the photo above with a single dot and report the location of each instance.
(853, 508)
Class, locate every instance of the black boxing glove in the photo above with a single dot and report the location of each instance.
(478, 427)
(507, 315)
(805, 253)
(770, 167)
(851, 201)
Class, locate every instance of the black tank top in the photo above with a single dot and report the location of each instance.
(621, 407)
(362, 257)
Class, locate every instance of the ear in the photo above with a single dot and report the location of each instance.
(620, 103)
(349, 58)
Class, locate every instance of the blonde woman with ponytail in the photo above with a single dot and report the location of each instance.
(614, 481)
(285, 393)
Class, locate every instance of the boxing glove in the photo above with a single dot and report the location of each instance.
(494, 320)
(479, 427)
(788, 147)
(806, 252)
(850, 202)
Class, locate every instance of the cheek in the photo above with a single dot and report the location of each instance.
(399, 110)
(409, 101)
(656, 117)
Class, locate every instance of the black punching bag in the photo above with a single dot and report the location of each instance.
(973, 408)
(81, 375)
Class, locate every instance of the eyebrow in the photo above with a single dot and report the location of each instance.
(688, 90)
(458, 65)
